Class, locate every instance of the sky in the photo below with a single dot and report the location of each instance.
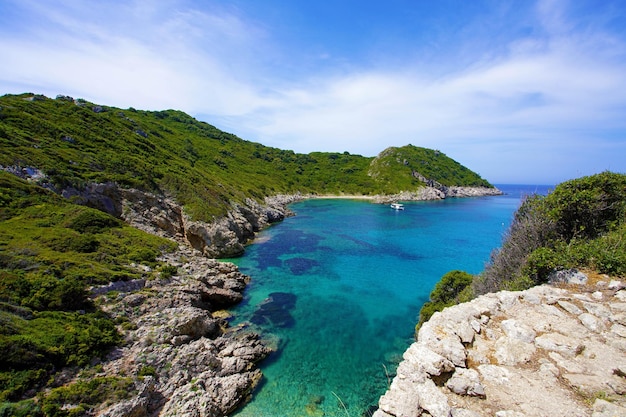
(522, 92)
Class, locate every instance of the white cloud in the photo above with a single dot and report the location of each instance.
(136, 57)
(541, 97)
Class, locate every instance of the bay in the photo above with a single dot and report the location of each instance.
(337, 290)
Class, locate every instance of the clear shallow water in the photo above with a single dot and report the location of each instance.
(339, 287)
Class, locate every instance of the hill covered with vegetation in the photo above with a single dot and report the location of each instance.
(581, 224)
(205, 169)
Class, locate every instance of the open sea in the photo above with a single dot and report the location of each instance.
(337, 290)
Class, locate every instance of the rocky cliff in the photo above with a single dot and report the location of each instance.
(178, 341)
(225, 237)
(547, 351)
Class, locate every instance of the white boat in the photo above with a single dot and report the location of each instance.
(397, 206)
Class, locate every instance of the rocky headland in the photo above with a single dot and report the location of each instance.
(552, 350)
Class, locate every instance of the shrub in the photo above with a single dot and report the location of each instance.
(540, 263)
(580, 224)
(529, 230)
(92, 221)
(453, 288)
(588, 207)
(147, 255)
(168, 271)
(84, 395)
(26, 408)
(147, 371)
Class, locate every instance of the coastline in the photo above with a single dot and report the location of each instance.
(420, 194)
(343, 197)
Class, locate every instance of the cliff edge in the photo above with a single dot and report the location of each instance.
(547, 351)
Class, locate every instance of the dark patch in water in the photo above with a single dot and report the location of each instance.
(409, 256)
(360, 242)
(289, 241)
(299, 266)
(296, 241)
(274, 310)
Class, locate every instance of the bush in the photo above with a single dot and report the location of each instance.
(92, 221)
(84, 395)
(143, 255)
(580, 224)
(529, 230)
(26, 408)
(453, 288)
(168, 271)
(588, 207)
(540, 263)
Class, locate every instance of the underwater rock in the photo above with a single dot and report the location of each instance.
(274, 310)
(299, 266)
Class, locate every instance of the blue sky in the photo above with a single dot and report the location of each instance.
(519, 91)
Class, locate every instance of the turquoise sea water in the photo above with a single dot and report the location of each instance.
(338, 289)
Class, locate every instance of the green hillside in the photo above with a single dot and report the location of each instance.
(168, 152)
(402, 168)
(579, 225)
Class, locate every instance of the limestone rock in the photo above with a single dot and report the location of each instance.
(511, 351)
(466, 382)
(541, 352)
(518, 331)
(432, 399)
(602, 408)
(568, 276)
(163, 216)
(429, 361)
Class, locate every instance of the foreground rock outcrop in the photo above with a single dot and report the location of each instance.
(178, 343)
(546, 351)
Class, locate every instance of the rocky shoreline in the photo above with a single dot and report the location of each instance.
(179, 349)
(227, 236)
(438, 193)
(547, 351)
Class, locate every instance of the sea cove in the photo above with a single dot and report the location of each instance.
(338, 288)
